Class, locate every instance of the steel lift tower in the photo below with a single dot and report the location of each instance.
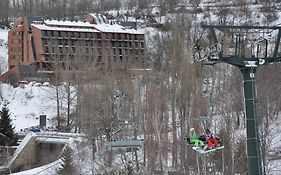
(245, 47)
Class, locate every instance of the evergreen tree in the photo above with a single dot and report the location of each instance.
(67, 165)
(7, 134)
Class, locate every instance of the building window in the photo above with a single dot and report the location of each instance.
(44, 33)
(141, 37)
(72, 34)
(61, 58)
(47, 49)
(44, 41)
(49, 34)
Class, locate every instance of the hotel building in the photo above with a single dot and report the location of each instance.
(37, 47)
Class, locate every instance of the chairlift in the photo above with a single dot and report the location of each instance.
(211, 143)
(204, 139)
(124, 127)
(129, 143)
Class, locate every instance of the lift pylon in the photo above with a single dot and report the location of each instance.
(247, 54)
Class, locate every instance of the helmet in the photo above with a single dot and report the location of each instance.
(192, 129)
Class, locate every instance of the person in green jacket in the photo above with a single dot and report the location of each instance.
(194, 140)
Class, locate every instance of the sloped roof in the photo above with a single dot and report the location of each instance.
(31, 19)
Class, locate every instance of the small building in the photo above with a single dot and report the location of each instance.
(37, 47)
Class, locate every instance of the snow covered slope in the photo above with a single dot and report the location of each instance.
(26, 104)
(3, 50)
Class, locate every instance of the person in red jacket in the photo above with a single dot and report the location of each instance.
(211, 141)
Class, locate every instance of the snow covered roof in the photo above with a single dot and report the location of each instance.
(116, 28)
(55, 28)
(99, 19)
(102, 26)
(68, 23)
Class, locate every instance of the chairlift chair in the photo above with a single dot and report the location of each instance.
(127, 128)
(203, 139)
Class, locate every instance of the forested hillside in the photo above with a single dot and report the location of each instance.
(166, 99)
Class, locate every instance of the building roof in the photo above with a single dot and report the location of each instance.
(72, 29)
(32, 19)
(68, 23)
(116, 28)
(103, 26)
(99, 19)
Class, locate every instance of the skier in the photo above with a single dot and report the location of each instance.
(194, 140)
(211, 141)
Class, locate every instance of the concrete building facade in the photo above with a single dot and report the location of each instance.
(37, 47)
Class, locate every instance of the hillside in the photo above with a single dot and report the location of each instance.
(26, 104)
(167, 100)
(3, 50)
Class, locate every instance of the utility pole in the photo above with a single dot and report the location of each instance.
(248, 65)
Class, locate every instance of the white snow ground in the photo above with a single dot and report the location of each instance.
(3, 50)
(49, 169)
(27, 104)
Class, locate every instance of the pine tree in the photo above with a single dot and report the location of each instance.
(7, 134)
(67, 165)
